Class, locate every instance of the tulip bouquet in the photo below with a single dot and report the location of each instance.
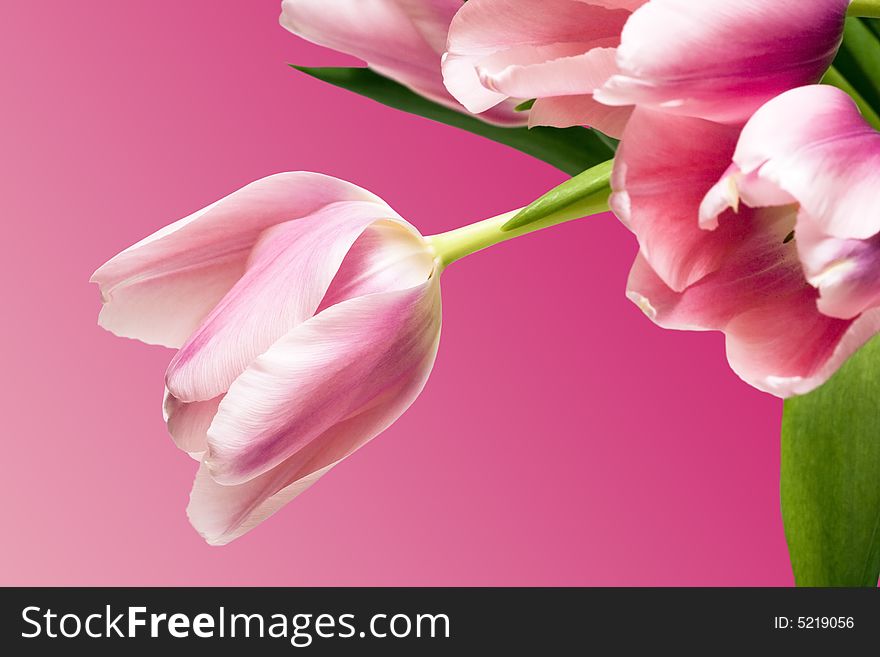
(737, 140)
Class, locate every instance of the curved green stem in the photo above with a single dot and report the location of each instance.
(865, 8)
(584, 195)
(834, 78)
(456, 244)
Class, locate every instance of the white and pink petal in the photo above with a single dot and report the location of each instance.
(222, 513)
(567, 111)
(814, 144)
(846, 272)
(403, 40)
(349, 357)
(288, 272)
(188, 423)
(161, 288)
(518, 48)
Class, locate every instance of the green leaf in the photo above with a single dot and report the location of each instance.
(831, 476)
(834, 78)
(587, 191)
(571, 150)
(859, 58)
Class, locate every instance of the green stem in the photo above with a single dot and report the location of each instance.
(461, 242)
(865, 8)
(834, 78)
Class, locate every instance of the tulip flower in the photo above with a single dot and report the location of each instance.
(591, 61)
(307, 316)
(401, 39)
(778, 250)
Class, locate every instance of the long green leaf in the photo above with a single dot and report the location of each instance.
(571, 150)
(831, 477)
(859, 58)
(835, 78)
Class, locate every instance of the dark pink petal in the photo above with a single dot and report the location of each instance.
(664, 167)
(630, 5)
(721, 60)
(777, 340)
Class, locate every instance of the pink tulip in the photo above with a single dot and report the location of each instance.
(591, 61)
(307, 316)
(778, 251)
(401, 39)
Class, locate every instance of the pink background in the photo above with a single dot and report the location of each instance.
(561, 440)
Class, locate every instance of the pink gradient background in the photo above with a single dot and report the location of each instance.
(562, 439)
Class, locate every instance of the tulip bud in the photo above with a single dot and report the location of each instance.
(313, 318)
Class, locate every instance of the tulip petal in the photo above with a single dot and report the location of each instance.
(288, 273)
(630, 5)
(387, 256)
(188, 423)
(223, 513)
(528, 49)
(811, 146)
(161, 288)
(401, 39)
(814, 144)
(345, 359)
(846, 272)
(721, 60)
(555, 70)
(567, 111)
(664, 166)
(777, 340)
(736, 187)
